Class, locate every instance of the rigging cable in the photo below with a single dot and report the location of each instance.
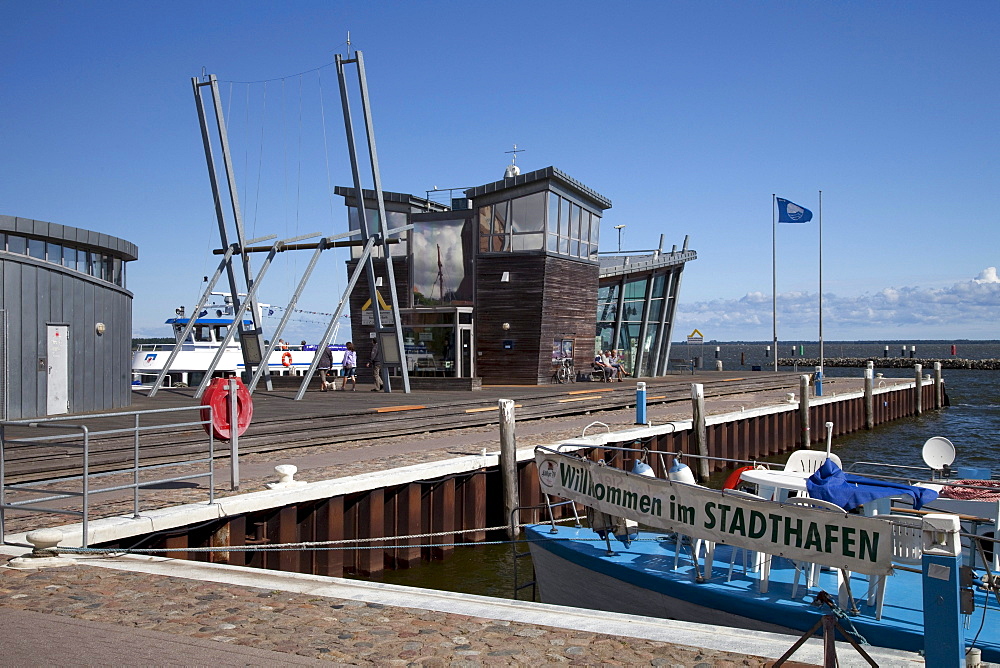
(260, 158)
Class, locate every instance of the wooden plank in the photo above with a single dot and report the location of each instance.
(395, 409)
(443, 518)
(488, 408)
(474, 507)
(371, 524)
(288, 530)
(569, 401)
(330, 527)
(409, 521)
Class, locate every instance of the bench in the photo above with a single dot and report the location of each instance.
(677, 364)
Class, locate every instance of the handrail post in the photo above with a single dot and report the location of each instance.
(234, 437)
(135, 470)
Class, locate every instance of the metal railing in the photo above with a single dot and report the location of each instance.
(77, 436)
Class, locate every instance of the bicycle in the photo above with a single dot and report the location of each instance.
(565, 373)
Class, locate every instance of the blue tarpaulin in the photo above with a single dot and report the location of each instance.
(831, 483)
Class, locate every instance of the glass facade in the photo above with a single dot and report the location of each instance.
(438, 342)
(396, 219)
(644, 322)
(103, 266)
(441, 264)
(542, 221)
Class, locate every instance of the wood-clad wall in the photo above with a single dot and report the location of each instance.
(546, 298)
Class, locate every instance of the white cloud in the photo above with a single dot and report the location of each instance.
(988, 275)
(964, 310)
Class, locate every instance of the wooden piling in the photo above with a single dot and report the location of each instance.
(508, 465)
(870, 397)
(698, 428)
(938, 386)
(918, 391)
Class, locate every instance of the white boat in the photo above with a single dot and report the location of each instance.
(730, 557)
(196, 353)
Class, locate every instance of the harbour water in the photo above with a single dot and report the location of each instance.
(972, 423)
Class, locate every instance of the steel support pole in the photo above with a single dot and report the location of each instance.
(355, 275)
(323, 245)
(238, 222)
(359, 195)
(383, 226)
(238, 316)
(190, 323)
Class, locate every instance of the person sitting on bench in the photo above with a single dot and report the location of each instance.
(602, 364)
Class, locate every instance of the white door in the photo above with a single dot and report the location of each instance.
(57, 401)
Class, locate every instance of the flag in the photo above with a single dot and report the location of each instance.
(790, 212)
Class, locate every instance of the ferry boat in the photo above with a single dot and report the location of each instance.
(668, 547)
(196, 353)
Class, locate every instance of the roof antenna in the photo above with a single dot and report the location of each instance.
(348, 44)
(512, 169)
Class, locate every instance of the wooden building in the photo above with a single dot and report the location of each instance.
(502, 284)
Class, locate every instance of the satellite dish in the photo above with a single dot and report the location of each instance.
(938, 452)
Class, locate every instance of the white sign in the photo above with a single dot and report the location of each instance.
(860, 544)
(367, 317)
(696, 337)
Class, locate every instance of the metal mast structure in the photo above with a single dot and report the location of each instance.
(385, 335)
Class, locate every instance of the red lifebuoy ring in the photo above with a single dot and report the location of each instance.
(733, 481)
(217, 396)
(286, 359)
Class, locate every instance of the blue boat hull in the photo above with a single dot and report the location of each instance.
(572, 567)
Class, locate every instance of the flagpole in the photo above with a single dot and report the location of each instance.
(821, 281)
(774, 282)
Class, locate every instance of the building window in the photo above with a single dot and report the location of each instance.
(36, 249)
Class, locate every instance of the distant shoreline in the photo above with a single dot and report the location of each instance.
(893, 362)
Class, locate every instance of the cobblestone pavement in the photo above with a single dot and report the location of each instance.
(340, 631)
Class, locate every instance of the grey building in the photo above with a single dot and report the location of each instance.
(65, 319)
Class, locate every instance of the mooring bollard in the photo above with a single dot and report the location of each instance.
(640, 403)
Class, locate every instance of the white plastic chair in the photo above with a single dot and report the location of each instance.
(811, 568)
(809, 461)
(761, 560)
(907, 549)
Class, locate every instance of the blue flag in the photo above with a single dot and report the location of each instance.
(790, 212)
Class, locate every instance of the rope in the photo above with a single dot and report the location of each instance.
(840, 614)
(287, 76)
(345, 544)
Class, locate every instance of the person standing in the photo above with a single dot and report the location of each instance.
(350, 365)
(376, 365)
(325, 364)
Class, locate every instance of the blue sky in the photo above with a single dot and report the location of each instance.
(687, 115)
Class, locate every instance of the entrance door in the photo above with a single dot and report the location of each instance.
(57, 378)
(465, 351)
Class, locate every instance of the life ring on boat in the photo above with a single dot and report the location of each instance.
(216, 420)
(733, 481)
(286, 359)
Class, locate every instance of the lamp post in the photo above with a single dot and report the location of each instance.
(619, 228)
